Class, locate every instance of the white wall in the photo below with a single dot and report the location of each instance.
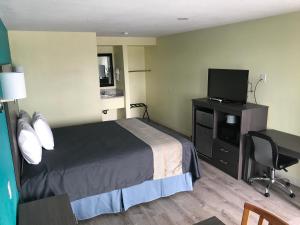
(137, 80)
(61, 74)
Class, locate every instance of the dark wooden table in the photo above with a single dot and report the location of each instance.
(48, 211)
(288, 144)
(211, 221)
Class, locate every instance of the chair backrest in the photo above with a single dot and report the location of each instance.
(265, 151)
(263, 215)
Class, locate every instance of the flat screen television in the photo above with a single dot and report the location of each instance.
(228, 85)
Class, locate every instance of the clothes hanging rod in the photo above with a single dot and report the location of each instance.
(134, 71)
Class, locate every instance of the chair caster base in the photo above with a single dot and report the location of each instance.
(292, 195)
(267, 195)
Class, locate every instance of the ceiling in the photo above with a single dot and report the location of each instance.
(137, 17)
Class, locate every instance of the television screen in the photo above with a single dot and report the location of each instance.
(228, 85)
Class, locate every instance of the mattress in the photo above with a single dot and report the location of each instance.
(97, 158)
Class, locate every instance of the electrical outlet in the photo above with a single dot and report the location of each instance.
(263, 77)
(9, 190)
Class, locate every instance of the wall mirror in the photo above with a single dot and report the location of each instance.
(105, 66)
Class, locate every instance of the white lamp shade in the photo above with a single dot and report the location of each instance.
(13, 86)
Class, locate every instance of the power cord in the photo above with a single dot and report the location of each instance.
(251, 86)
(255, 89)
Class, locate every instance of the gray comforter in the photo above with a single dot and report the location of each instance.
(96, 158)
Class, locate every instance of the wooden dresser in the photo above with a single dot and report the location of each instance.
(220, 144)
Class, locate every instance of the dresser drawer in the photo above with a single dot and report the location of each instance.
(226, 157)
(225, 151)
(228, 167)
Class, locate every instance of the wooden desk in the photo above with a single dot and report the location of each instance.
(48, 211)
(211, 221)
(288, 144)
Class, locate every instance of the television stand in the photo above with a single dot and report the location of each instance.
(220, 144)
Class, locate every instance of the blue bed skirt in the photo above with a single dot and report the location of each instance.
(122, 199)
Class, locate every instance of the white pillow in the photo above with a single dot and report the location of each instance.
(25, 116)
(29, 143)
(43, 131)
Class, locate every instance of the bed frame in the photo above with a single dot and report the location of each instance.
(12, 112)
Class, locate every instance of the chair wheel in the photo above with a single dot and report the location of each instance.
(287, 184)
(292, 195)
(267, 195)
(250, 181)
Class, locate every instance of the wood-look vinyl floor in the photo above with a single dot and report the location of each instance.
(215, 194)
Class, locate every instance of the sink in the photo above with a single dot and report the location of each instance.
(110, 96)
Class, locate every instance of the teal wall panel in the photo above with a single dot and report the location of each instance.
(8, 207)
(4, 46)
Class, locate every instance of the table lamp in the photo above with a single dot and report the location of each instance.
(13, 87)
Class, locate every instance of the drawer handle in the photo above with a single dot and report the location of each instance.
(224, 150)
(223, 162)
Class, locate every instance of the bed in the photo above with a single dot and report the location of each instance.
(108, 167)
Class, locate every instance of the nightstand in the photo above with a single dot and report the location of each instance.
(48, 211)
(211, 221)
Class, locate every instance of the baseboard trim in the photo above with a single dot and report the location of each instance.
(293, 180)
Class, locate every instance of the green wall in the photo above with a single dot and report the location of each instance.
(179, 66)
(8, 207)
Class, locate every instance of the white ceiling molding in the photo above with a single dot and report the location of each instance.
(143, 41)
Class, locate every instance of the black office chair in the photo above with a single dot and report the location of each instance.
(265, 152)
